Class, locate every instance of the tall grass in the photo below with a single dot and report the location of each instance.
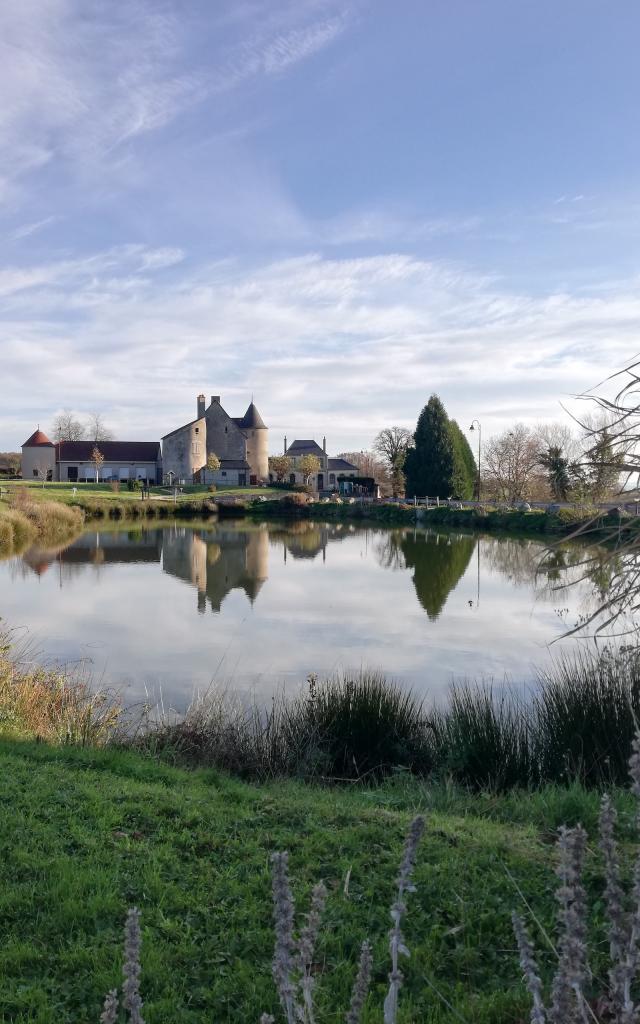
(50, 704)
(26, 520)
(575, 725)
(349, 727)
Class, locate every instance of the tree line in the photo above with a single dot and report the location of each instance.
(549, 461)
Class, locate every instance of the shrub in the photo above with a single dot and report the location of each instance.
(483, 740)
(212, 488)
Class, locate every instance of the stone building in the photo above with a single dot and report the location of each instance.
(241, 443)
(70, 461)
(334, 474)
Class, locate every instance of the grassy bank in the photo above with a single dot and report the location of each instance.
(87, 833)
(25, 521)
(576, 723)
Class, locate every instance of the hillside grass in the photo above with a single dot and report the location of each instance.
(87, 833)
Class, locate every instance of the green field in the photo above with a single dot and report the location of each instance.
(86, 834)
(64, 491)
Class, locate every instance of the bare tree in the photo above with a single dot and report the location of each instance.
(511, 459)
(96, 430)
(611, 436)
(392, 444)
(370, 465)
(98, 459)
(67, 428)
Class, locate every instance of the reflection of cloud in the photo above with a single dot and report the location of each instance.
(345, 612)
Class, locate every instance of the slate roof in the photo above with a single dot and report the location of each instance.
(234, 464)
(252, 419)
(341, 464)
(183, 427)
(38, 440)
(113, 451)
(305, 448)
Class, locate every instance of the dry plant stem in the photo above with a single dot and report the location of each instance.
(397, 946)
(614, 896)
(568, 1002)
(306, 948)
(266, 1018)
(109, 1013)
(284, 947)
(361, 985)
(131, 970)
(529, 970)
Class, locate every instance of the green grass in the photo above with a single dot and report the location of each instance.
(86, 834)
(64, 491)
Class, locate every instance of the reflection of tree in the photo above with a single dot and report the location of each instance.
(388, 549)
(439, 561)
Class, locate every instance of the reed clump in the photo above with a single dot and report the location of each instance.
(52, 704)
(349, 728)
(24, 521)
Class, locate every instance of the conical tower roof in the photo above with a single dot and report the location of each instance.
(38, 440)
(253, 419)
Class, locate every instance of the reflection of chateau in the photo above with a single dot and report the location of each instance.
(97, 547)
(216, 562)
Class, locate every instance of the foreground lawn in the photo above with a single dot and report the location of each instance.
(86, 834)
(64, 492)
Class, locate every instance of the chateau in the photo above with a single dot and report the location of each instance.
(241, 443)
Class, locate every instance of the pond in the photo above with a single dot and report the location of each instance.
(164, 611)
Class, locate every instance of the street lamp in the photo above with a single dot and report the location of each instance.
(475, 423)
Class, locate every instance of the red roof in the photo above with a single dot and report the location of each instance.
(37, 440)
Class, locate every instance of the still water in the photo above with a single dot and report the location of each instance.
(163, 611)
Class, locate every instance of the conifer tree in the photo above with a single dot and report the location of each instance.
(465, 472)
(429, 466)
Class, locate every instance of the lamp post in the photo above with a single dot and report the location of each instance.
(474, 424)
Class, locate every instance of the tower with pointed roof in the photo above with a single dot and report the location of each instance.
(38, 457)
(241, 443)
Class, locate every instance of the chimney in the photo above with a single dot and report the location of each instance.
(201, 405)
(324, 445)
(285, 444)
(215, 399)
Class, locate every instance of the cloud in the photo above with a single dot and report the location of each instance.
(26, 230)
(335, 346)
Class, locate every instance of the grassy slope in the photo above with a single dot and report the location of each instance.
(64, 492)
(85, 834)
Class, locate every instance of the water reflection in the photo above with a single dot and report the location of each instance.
(257, 604)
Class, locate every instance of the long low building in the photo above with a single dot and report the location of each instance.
(72, 462)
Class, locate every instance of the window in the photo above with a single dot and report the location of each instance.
(195, 448)
(197, 430)
(35, 472)
(106, 472)
(141, 473)
(332, 478)
(124, 473)
(223, 472)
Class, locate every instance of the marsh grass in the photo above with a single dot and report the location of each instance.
(50, 704)
(25, 520)
(348, 728)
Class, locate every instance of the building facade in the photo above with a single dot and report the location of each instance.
(241, 445)
(70, 461)
(333, 474)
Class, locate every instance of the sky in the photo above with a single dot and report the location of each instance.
(339, 208)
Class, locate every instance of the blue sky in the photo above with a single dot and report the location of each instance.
(340, 207)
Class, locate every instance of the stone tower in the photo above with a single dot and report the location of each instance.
(257, 434)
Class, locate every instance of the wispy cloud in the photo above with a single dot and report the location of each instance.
(26, 230)
(370, 338)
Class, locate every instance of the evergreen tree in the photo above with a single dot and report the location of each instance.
(429, 465)
(558, 471)
(603, 466)
(465, 472)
